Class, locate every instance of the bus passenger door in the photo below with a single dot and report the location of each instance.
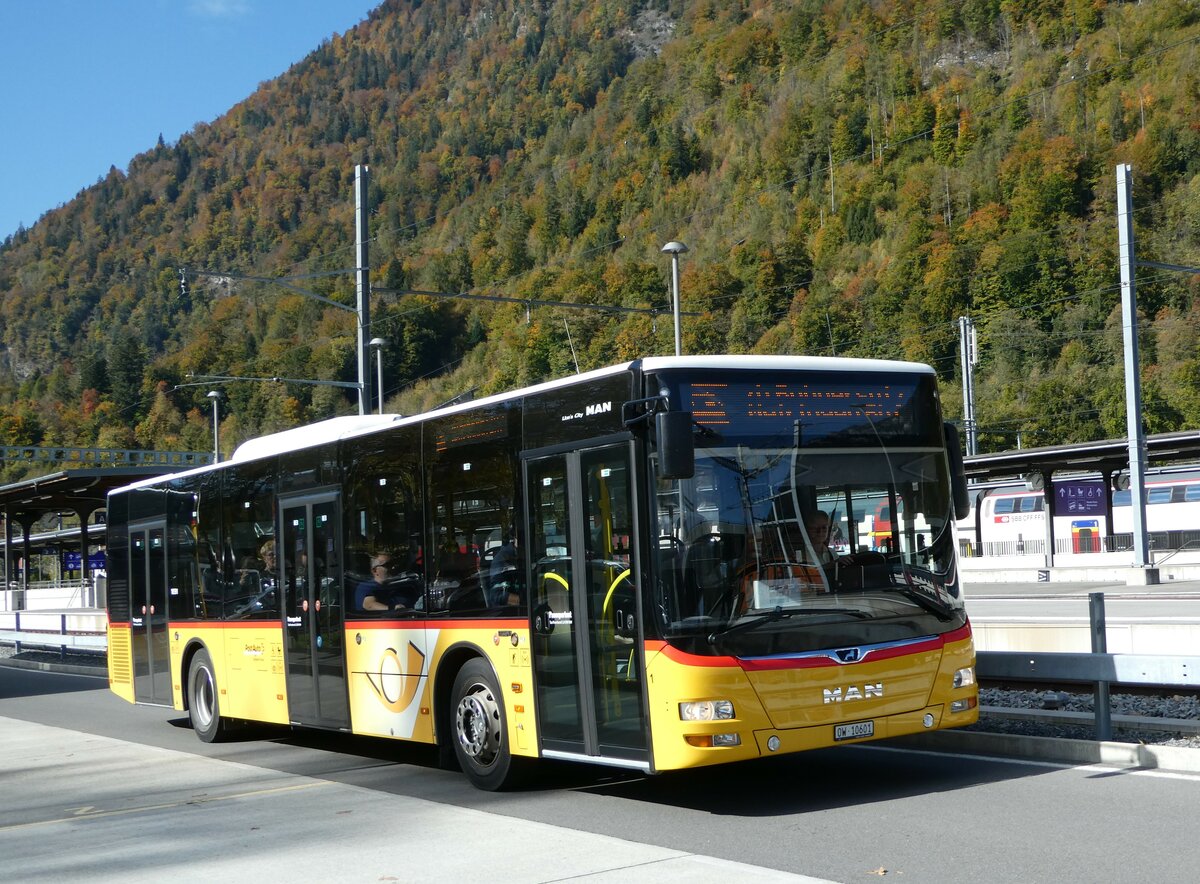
(311, 571)
(148, 588)
(585, 632)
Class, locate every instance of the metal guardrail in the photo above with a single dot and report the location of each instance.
(1099, 668)
(1142, 670)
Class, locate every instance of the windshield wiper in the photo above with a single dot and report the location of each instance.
(938, 608)
(778, 613)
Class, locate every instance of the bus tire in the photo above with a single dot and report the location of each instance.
(478, 728)
(204, 708)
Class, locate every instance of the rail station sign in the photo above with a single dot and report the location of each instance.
(1084, 498)
(72, 561)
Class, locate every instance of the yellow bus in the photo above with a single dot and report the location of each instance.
(617, 568)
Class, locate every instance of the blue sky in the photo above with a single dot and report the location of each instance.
(89, 84)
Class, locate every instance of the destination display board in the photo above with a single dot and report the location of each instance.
(818, 408)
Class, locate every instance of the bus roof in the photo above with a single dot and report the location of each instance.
(349, 426)
(793, 363)
(322, 432)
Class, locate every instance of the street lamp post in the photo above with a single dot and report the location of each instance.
(362, 282)
(378, 344)
(215, 396)
(675, 249)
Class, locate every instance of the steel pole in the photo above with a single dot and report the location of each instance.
(1133, 377)
(379, 375)
(675, 291)
(965, 362)
(215, 396)
(1101, 706)
(362, 283)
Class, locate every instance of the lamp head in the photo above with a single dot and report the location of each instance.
(674, 248)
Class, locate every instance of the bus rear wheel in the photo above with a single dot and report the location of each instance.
(204, 708)
(479, 730)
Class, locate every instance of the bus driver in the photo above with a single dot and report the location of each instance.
(817, 526)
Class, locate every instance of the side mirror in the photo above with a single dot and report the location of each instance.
(676, 450)
(958, 475)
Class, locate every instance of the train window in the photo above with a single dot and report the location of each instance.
(1159, 495)
(1191, 492)
(1004, 505)
(1121, 498)
(1032, 504)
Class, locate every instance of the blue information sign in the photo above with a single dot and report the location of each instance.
(1079, 498)
(73, 560)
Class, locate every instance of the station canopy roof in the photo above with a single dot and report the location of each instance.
(1106, 456)
(69, 491)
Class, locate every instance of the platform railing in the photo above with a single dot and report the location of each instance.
(61, 639)
(42, 595)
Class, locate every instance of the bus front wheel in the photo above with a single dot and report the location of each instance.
(479, 730)
(204, 708)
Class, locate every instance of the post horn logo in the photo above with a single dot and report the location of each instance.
(397, 684)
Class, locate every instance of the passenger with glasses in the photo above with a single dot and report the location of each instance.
(375, 594)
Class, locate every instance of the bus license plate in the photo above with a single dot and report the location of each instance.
(855, 731)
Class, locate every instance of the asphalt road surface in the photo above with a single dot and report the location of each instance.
(96, 788)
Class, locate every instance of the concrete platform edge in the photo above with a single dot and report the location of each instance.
(68, 668)
(1169, 758)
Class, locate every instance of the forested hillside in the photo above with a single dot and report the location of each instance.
(850, 178)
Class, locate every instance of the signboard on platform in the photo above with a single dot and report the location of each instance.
(72, 561)
(1082, 498)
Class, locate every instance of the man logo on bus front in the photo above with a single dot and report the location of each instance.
(849, 655)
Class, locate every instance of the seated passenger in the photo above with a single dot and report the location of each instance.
(505, 575)
(375, 594)
(266, 555)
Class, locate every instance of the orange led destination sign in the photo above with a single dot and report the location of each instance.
(716, 404)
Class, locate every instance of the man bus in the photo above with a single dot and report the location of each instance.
(664, 609)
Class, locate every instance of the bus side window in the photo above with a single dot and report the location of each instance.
(249, 521)
(472, 470)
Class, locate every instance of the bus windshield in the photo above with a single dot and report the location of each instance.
(808, 526)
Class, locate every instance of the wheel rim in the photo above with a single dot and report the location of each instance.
(203, 696)
(477, 724)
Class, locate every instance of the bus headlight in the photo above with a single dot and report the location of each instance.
(964, 677)
(706, 710)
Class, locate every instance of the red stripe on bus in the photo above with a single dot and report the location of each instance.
(819, 661)
(961, 634)
(695, 659)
